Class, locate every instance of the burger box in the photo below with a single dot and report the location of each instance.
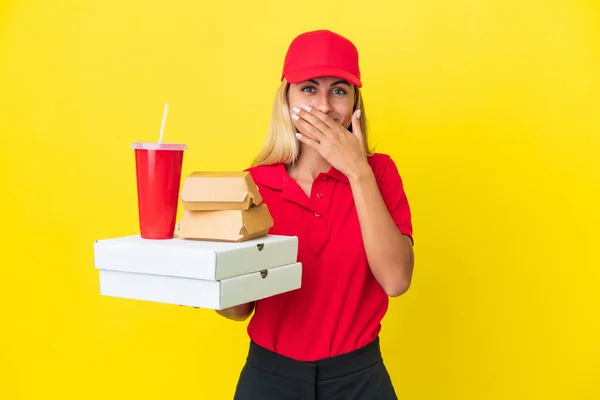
(222, 206)
(207, 190)
(198, 273)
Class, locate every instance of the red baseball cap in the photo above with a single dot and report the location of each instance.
(321, 53)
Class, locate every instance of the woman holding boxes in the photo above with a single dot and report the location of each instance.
(348, 208)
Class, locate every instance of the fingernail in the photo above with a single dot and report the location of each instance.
(358, 112)
(295, 117)
(296, 110)
(308, 108)
(298, 135)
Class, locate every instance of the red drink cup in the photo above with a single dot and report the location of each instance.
(158, 170)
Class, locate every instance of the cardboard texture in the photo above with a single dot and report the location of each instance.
(201, 293)
(204, 260)
(204, 274)
(225, 225)
(222, 206)
(212, 191)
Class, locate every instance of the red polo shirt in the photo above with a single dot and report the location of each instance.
(340, 305)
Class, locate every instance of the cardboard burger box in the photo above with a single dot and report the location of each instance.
(222, 255)
(222, 206)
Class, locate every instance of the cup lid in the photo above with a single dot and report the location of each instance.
(158, 146)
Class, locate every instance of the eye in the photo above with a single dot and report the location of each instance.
(308, 89)
(339, 92)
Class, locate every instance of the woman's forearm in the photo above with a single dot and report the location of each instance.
(389, 252)
(237, 313)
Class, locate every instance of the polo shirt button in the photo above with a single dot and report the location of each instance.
(317, 215)
(319, 195)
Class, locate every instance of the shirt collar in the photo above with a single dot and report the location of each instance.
(276, 176)
(334, 173)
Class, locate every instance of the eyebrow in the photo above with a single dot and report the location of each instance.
(333, 84)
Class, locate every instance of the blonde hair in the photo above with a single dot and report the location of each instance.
(281, 145)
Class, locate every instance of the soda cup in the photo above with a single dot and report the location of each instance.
(158, 170)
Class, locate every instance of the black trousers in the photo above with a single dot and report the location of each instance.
(359, 375)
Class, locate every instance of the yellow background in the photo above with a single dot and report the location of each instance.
(490, 108)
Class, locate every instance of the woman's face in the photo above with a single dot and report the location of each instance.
(331, 95)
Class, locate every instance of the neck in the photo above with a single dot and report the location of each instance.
(309, 164)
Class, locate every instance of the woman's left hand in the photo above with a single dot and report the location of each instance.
(344, 150)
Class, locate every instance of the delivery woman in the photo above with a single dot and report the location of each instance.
(348, 208)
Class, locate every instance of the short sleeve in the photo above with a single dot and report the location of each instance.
(394, 196)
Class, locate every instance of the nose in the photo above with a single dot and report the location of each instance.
(323, 103)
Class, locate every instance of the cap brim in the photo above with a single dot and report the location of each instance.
(305, 74)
